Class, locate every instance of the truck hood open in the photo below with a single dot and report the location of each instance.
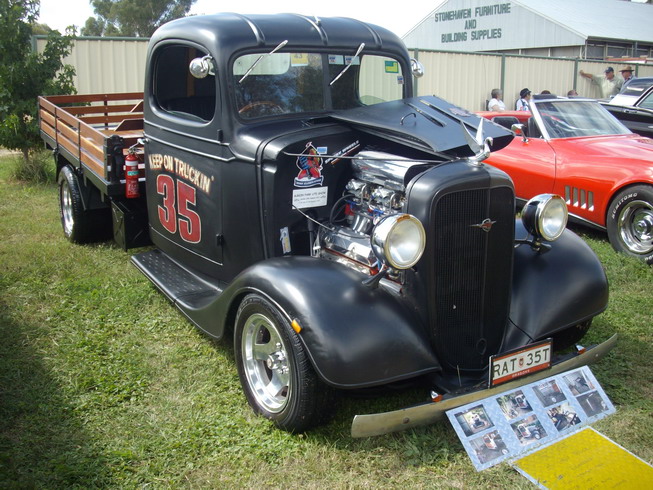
(427, 123)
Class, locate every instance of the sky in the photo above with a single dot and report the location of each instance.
(395, 16)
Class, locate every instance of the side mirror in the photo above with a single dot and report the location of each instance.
(519, 130)
(417, 68)
(201, 67)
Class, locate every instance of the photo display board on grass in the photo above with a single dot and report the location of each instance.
(517, 421)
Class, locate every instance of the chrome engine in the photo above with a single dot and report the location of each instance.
(376, 190)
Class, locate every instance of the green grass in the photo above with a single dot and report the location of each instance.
(104, 384)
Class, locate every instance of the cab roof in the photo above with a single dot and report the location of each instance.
(226, 33)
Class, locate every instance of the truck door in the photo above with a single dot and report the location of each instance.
(184, 158)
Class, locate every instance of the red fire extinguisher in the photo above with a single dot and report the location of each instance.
(131, 175)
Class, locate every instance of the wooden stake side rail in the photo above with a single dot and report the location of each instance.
(83, 125)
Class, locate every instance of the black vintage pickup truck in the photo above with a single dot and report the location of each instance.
(345, 232)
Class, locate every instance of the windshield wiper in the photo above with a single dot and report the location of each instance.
(342, 72)
(258, 60)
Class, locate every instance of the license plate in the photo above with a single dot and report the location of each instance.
(520, 362)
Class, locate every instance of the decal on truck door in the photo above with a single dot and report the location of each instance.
(176, 166)
(179, 199)
(176, 213)
(310, 167)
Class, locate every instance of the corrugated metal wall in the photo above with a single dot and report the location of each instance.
(537, 74)
(463, 79)
(106, 65)
(467, 79)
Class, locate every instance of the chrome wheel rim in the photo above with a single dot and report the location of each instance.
(67, 209)
(266, 364)
(636, 227)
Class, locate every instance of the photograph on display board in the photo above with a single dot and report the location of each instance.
(578, 383)
(528, 430)
(549, 393)
(563, 416)
(592, 403)
(489, 447)
(474, 420)
(514, 405)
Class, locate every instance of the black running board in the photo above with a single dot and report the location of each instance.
(193, 294)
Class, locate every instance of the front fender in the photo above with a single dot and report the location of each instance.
(355, 336)
(555, 289)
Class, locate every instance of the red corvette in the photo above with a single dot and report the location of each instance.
(576, 149)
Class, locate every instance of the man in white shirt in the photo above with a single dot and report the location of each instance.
(608, 84)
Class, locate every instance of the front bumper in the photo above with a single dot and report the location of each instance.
(383, 423)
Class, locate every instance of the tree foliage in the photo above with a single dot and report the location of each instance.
(41, 29)
(139, 18)
(26, 74)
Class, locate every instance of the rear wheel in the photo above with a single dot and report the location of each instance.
(274, 369)
(79, 225)
(630, 222)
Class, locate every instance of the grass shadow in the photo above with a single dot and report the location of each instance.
(43, 444)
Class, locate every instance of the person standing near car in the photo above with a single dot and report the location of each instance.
(523, 103)
(607, 83)
(627, 74)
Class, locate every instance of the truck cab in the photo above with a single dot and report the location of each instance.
(346, 233)
(230, 135)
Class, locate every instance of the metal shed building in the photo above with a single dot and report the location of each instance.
(588, 29)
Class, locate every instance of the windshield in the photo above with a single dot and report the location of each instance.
(568, 119)
(289, 83)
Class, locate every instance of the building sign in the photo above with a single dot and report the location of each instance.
(478, 23)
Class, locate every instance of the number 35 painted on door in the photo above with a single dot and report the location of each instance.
(175, 214)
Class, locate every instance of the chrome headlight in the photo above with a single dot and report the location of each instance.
(399, 240)
(545, 216)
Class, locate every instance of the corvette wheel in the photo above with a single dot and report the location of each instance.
(274, 369)
(630, 222)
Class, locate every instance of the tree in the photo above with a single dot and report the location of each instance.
(26, 74)
(130, 18)
(93, 27)
(41, 29)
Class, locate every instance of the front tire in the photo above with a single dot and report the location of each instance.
(275, 372)
(630, 222)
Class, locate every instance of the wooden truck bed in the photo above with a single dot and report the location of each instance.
(93, 132)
